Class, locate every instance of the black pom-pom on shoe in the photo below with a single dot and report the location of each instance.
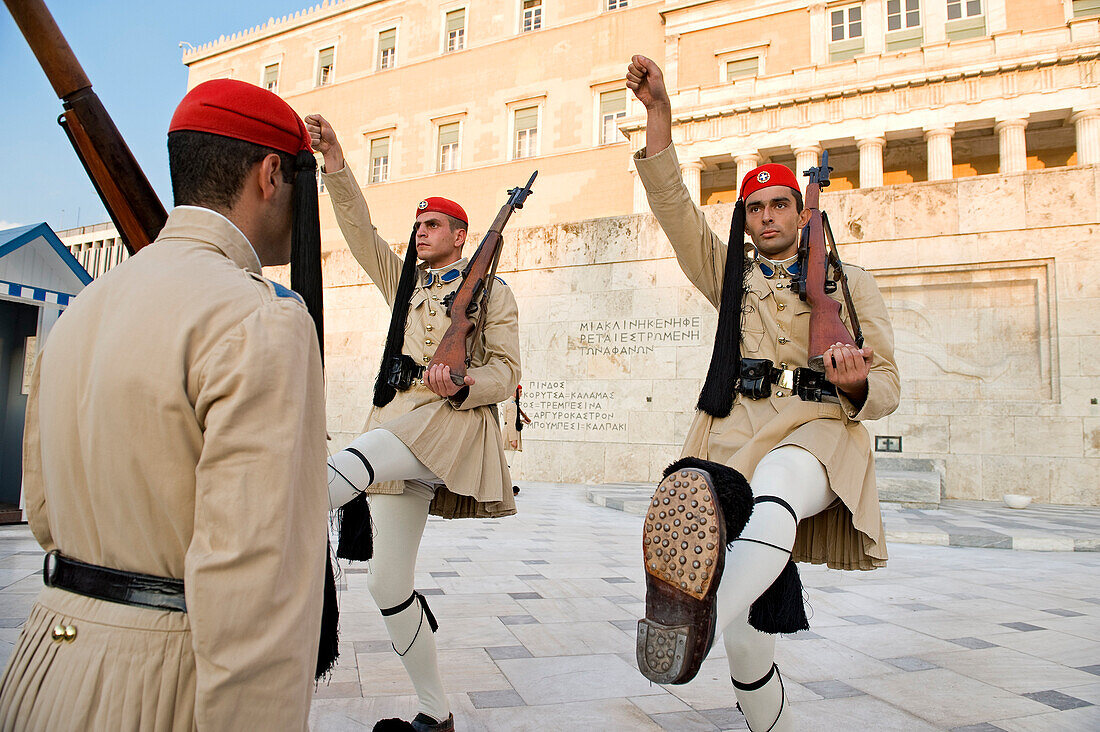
(733, 491)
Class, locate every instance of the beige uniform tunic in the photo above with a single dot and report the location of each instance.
(775, 326)
(176, 427)
(460, 443)
(509, 431)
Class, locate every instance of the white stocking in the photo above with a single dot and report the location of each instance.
(388, 457)
(399, 524)
(797, 477)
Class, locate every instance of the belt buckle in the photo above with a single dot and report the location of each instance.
(49, 567)
(786, 379)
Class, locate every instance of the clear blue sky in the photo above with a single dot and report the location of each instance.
(131, 52)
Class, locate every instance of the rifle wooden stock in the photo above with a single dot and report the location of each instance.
(826, 327)
(124, 189)
(476, 283)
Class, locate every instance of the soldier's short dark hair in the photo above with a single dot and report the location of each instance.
(456, 224)
(209, 170)
(797, 200)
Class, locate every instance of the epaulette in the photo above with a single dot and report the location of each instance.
(279, 290)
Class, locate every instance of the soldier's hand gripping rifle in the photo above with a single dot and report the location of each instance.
(472, 296)
(126, 193)
(817, 260)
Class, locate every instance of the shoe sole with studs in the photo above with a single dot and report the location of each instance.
(683, 543)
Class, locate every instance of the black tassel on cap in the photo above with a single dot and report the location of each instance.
(329, 648)
(395, 337)
(781, 608)
(716, 398)
(305, 247)
(356, 533)
(305, 279)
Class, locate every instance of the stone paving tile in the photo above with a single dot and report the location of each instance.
(495, 699)
(1057, 699)
(832, 689)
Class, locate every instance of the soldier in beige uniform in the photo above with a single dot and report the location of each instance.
(429, 446)
(173, 456)
(514, 420)
(806, 455)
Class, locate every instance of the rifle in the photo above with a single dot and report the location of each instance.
(473, 294)
(817, 259)
(127, 194)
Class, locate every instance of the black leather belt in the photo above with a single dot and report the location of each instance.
(758, 375)
(113, 585)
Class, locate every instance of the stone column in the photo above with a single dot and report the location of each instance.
(939, 152)
(745, 163)
(1087, 123)
(805, 157)
(641, 204)
(870, 161)
(692, 172)
(1013, 145)
(819, 33)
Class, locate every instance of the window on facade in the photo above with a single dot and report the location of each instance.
(965, 20)
(448, 146)
(846, 23)
(379, 160)
(1082, 8)
(271, 78)
(527, 132)
(616, 4)
(742, 68)
(532, 15)
(901, 14)
(456, 30)
(387, 48)
(963, 9)
(325, 58)
(612, 109)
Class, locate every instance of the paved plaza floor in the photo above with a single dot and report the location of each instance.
(537, 615)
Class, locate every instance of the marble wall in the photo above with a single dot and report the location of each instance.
(993, 283)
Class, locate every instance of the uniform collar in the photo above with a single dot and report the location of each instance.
(446, 275)
(202, 224)
(772, 269)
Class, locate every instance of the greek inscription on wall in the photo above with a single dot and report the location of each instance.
(561, 406)
(636, 335)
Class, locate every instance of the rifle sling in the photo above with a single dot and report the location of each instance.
(843, 281)
(484, 306)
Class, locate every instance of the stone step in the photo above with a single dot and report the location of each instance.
(912, 482)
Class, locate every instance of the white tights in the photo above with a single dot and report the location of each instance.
(796, 476)
(399, 521)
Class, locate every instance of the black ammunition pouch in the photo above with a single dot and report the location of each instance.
(758, 374)
(401, 371)
(755, 380)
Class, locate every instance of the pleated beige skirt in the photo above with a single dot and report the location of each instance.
(127, 668)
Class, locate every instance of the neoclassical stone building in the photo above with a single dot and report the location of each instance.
(965, 138)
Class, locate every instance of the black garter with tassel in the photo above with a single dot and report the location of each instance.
(781, 609)
(356, 541)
